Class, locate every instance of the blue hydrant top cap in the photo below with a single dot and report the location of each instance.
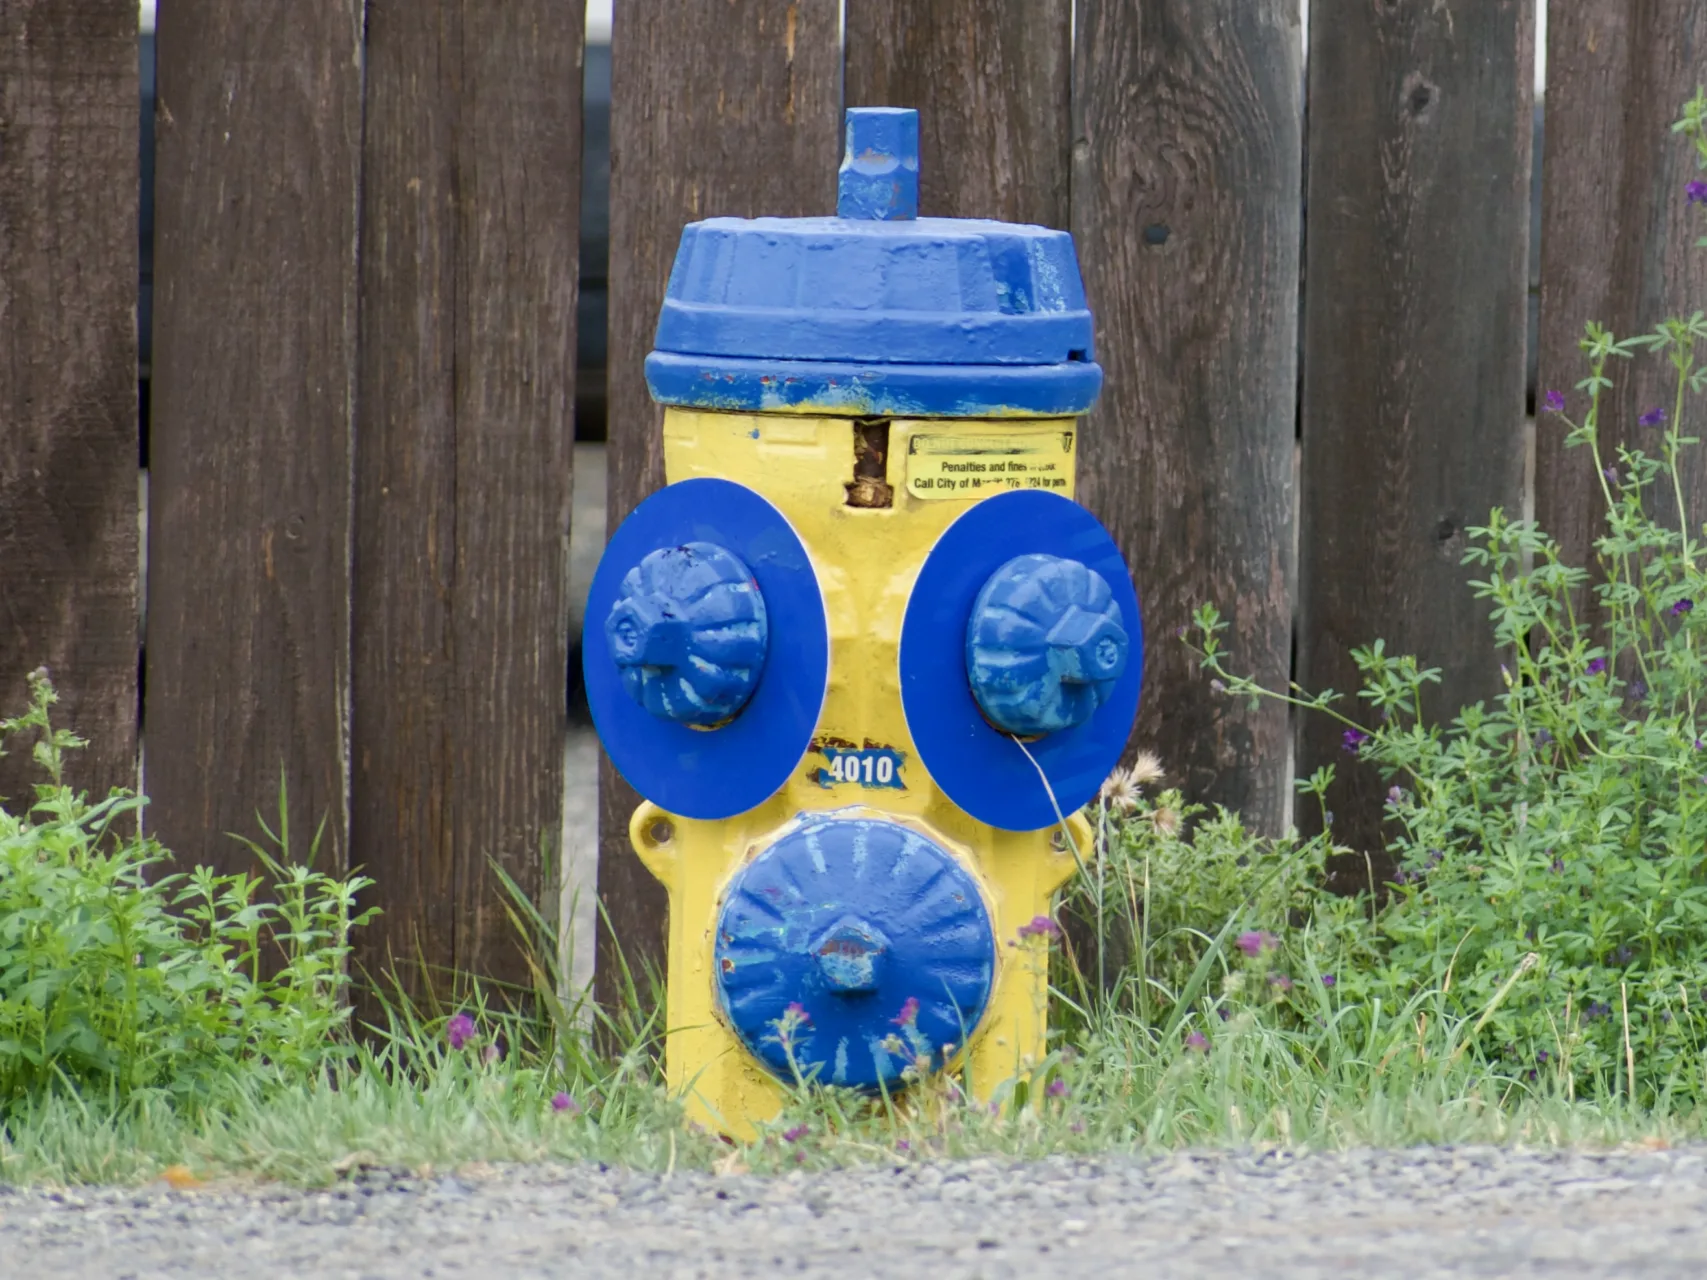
(876, 310)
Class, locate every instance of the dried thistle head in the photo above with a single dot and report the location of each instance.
(1119, 792)
(1146, 770)
(1166, 820)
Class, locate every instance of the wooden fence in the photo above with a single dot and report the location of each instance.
(1310, 301)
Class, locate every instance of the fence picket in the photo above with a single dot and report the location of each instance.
(1615, 240)
(470, 196)
(1414, 323)
(992, 84)
(258, 130)
(68, 443)
(752, 130)
(1186, 211)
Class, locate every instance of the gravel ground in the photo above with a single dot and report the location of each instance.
(1436, 1212)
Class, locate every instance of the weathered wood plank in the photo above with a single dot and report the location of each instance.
(1414, 326)
(753, 130)
(992, 82)
(1186, 213)
(68, 455)
(259, 135)
(1615, 240)
(470, 197)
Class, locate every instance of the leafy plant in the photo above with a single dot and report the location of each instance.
(1553, 844)
(115, 977)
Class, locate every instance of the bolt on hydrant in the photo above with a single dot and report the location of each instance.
(864, 655)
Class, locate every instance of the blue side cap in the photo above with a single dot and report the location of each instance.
(854, 946)
(876, 311)
(689, 633)
(1044, 644)
(879, 177)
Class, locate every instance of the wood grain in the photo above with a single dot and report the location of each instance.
(68, 423)
(464, 465)
(1185, 214)
(753, 130)
(1616, 241)
(1414, 326)
(259, 135)
(992, 82)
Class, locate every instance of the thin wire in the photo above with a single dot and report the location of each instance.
(1054, 804)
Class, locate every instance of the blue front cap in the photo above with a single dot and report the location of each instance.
(876, 311)
(850, 949)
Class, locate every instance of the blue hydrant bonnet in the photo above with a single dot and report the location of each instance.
(876, 311)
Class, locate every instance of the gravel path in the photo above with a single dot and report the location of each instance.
(1439, 1212)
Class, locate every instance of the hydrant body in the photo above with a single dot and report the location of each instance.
(863, 655)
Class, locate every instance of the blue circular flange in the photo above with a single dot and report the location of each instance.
(978, 767)
(879, 936)
(714, 773)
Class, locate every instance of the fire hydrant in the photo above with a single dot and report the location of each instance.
(863, 655)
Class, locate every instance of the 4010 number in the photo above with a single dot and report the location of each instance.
(870, 767)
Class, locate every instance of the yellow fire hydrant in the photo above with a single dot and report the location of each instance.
(863, 655)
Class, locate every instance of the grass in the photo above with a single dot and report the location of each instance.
(527, 1086)
(1184, 1039)
(448, 1110)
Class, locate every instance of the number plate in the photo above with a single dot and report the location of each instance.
(868, 767)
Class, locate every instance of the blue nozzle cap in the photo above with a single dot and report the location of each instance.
(879, 177)
(1045, 644)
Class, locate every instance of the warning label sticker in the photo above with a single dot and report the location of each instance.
(977, 466)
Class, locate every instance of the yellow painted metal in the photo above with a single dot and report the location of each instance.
(866, 559)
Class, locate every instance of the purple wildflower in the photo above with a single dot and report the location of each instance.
(459, 1030)
(1197, 1042)
(1353, 739)
(563, 1102)
(903, 1146)
(1543, 737)
(909, 1012)
(1395, 796)
(795, 1134)
(1056, 1088)
(1554, 403)
(1280, 982)
(1611, 473)
(1699, 744)
(1682, 607)
(1223, 1014)
(1595, 1010)
(1638, 690)
(1623, 956)
(1040, 927)
(1328, 980)
(1597, 666)
(797, 1011)
(1655, 417)
(1541, 1057)
(1558, 866)
(1695, 192)
(1255, 942)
